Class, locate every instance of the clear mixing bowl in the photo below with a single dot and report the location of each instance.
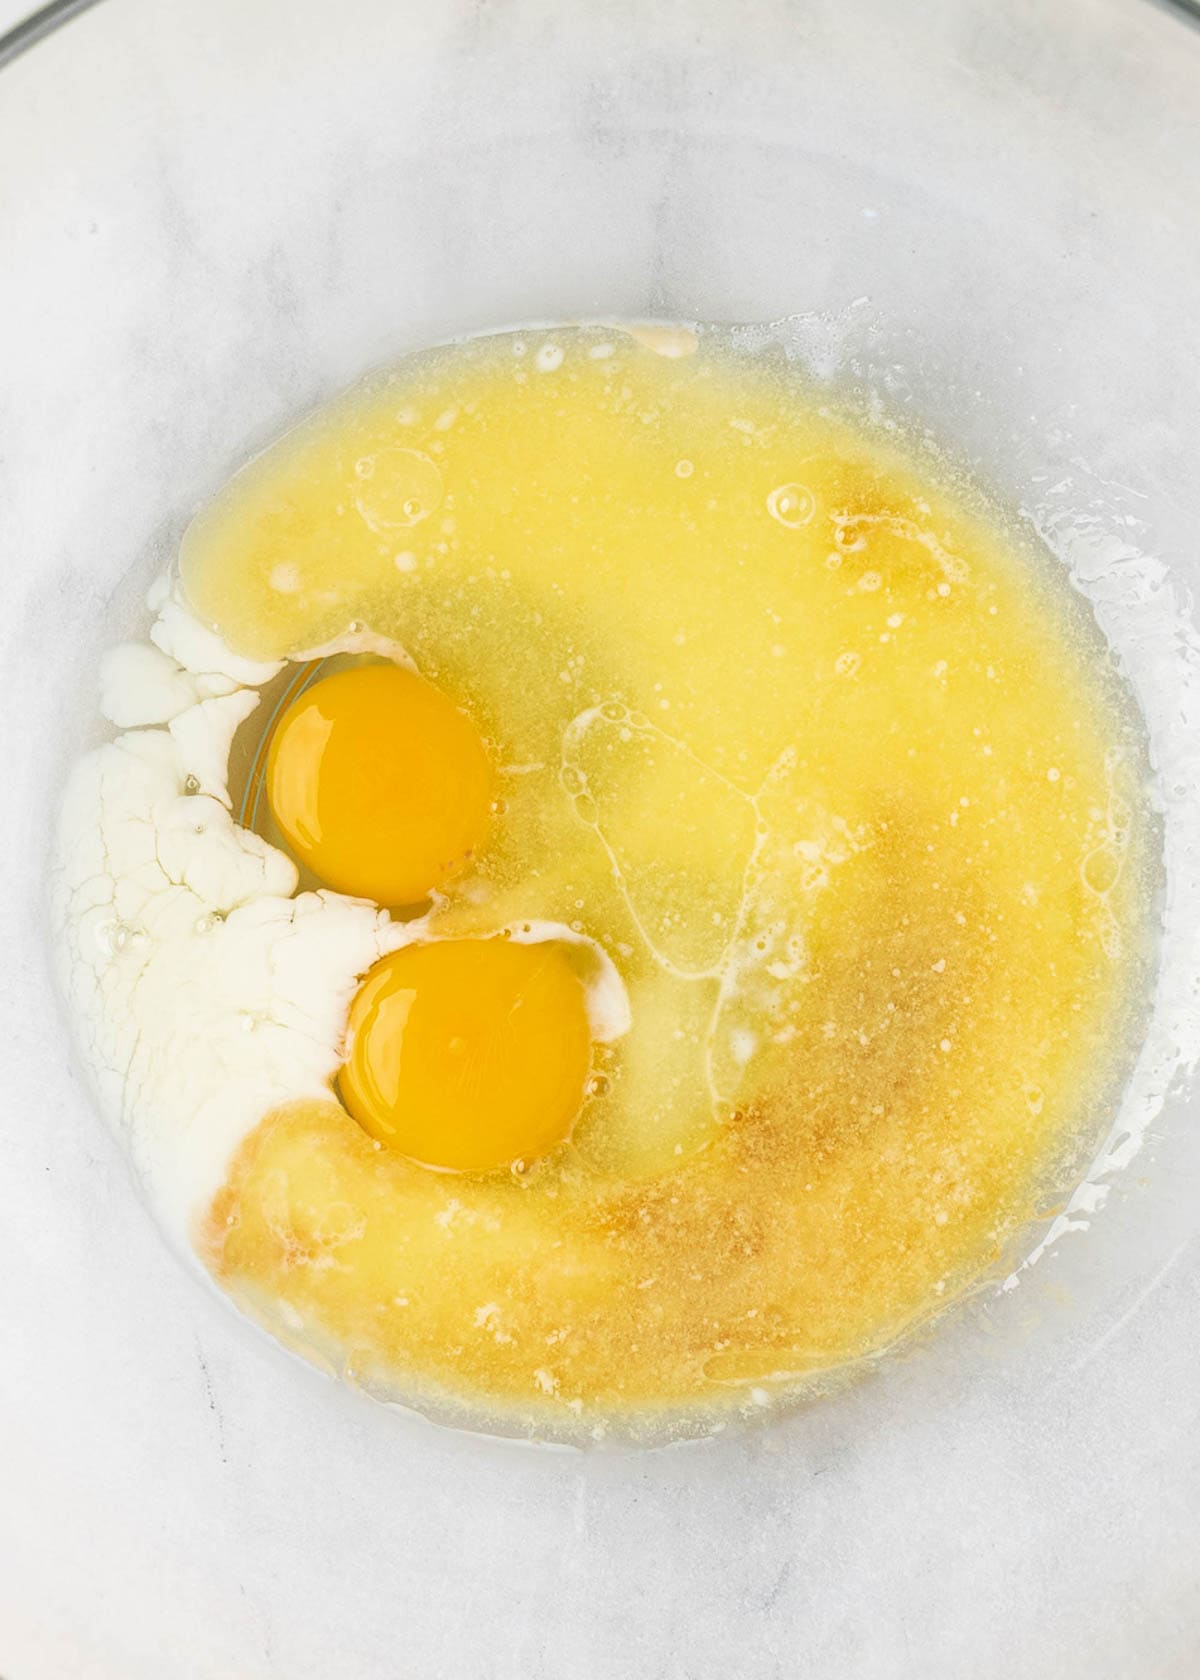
(987, 217)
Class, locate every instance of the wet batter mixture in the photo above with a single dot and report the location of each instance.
(830, 768)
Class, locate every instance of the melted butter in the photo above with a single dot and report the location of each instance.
(827, 766)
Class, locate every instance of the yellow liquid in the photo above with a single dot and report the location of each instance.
(835, 775)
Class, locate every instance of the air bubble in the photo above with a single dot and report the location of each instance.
(1101, 869)
(684, 469)
(191, 785)
(793, 505)
(403, 488)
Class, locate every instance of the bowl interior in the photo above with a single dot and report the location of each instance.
(982, 222)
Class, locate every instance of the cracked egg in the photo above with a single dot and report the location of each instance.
(612, 896)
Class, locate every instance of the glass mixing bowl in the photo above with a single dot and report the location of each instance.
(985, 219)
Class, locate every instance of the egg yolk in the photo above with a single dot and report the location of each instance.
(380, 784)
(468, 1053)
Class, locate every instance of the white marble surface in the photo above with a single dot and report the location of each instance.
(215, 213)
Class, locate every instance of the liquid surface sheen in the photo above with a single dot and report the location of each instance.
(835, 772)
